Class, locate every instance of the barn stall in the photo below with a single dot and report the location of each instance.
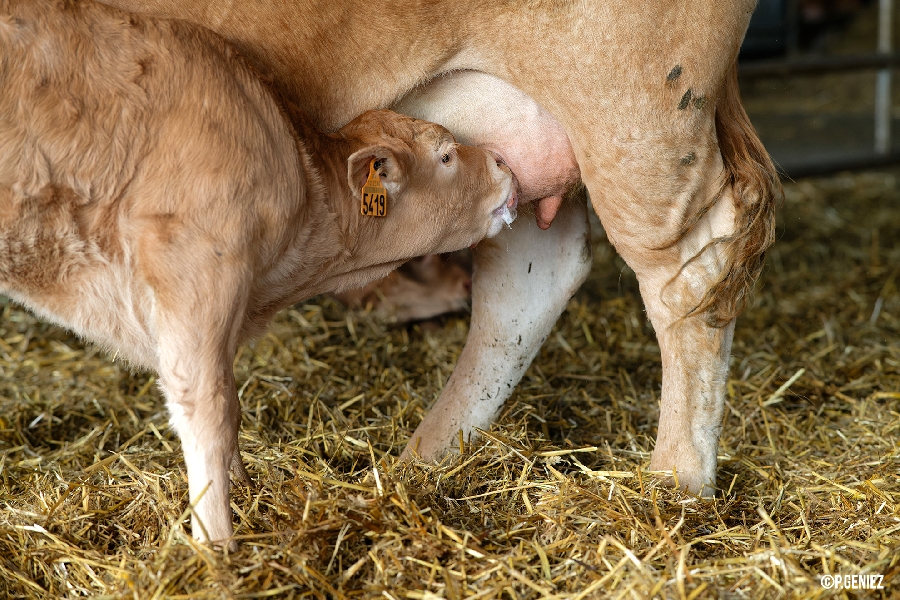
(555, 500)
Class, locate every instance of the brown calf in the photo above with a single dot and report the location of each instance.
(155, 200)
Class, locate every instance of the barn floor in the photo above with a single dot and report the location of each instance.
(553, 502)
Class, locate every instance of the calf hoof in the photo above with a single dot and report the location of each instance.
(219, 545)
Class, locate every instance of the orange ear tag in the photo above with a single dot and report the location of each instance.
(374, 195)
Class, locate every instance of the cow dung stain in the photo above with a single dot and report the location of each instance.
(674, 74)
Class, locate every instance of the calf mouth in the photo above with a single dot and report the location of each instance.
(507, 211)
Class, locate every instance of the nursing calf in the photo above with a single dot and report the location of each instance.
(155, 199)
(487, 112)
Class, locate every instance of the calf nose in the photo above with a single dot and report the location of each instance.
(499, 160)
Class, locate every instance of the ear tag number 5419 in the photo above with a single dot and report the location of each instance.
(374, 195)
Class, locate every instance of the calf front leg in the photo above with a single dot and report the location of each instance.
(196, 318)
(203, 405)
(521, 283)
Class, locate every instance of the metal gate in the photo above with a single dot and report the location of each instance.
(883, 61)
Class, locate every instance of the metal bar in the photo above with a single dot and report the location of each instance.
(799, 169)
(885, 26)
(818, 66)
(883, 81)
(792, 16)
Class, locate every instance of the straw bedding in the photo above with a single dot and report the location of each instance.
(553, 502)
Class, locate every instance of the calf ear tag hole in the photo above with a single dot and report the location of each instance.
(374, 194)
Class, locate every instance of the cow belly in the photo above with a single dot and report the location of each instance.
(486, 111)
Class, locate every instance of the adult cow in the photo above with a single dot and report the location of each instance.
(646, 91)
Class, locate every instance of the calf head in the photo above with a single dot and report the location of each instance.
(441, 196)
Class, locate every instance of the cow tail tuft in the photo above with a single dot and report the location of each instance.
(756, 189)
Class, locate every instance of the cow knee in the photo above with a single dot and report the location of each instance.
(680, 251)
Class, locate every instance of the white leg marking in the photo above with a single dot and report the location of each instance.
(521, 285)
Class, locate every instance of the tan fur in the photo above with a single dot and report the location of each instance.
(155, 199)
(423, 288)
(750, 172)
(642, 89)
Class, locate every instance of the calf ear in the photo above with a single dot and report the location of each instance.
(388, 167)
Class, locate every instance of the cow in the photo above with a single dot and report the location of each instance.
(646, 92)
(156, 199)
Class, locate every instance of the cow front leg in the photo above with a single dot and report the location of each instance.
(521, 283)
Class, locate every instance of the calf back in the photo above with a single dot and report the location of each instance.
(156, 125)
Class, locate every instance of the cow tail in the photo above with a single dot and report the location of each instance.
(756, 190)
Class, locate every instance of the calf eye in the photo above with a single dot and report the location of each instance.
(445, 157)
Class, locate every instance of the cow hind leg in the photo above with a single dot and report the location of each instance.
(673, 278)
(695, 354)
(696, 273)
(521, 283)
